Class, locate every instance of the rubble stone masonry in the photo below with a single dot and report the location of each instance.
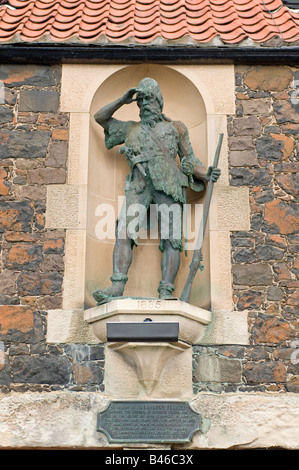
(263, 142)
(263, 155)
(33, 154)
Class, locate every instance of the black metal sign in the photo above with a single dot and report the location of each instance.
(142, 331)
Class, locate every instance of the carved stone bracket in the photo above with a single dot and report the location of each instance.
(151, 367)
(148, 359)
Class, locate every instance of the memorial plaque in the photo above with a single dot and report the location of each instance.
(148, 422)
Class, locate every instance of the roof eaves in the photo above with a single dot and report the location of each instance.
(77, 52)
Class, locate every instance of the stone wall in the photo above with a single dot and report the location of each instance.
(264, 146)
(33, 155)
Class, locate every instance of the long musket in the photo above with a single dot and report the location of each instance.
(197, 255)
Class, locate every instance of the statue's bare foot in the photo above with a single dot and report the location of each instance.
(166, 296)
(165, 291)
(116, 290)
(104, 295)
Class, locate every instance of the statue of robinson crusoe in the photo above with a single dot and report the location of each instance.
(151, 147)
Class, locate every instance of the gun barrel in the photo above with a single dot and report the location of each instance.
(195, 263)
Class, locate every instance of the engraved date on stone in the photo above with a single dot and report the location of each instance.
(149, 304)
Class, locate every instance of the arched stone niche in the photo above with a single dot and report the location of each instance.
(107, 171)
(203, 97)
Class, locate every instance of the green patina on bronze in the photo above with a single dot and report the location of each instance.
(151, 147)
(150, 421)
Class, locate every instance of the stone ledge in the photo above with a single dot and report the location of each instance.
(253, 420)
(69, 326)
(58, 420)
(192, 320)
(64, 420)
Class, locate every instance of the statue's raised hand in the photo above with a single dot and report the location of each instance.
(127, 97)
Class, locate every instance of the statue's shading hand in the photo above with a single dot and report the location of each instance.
(128, 96)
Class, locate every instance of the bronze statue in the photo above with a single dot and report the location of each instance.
(151, 147)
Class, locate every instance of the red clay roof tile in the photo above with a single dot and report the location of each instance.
(144, 21)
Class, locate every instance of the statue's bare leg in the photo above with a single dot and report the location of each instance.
(170, 266)
(122, 256)
(122, 259)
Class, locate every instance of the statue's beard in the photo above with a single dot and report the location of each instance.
(150, 117)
